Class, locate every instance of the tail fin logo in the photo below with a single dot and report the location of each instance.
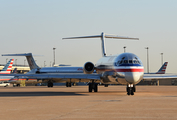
(8, 67)
(162, 69)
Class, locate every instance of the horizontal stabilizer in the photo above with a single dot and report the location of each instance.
(29, 57)
(119, 37)
(23, 54)
(95, 36)
(100, 36)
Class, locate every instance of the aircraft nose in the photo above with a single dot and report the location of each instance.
(132, 77)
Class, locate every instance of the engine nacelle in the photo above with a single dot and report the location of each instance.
(88, 68)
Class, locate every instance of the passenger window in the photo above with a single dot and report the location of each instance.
(130, 61)
(125, 61)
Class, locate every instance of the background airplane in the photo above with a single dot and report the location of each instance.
(8, 67)
(6, 70)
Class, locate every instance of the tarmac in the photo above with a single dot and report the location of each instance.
(75, 103)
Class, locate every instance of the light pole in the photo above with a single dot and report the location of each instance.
(6, 60)
(162, 57)
(147, 59)
(24, 63)
(124, 49)
(44, 63)
(16, 62)
(54, 56)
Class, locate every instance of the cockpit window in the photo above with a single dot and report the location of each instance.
(135, 62)
(130, 61)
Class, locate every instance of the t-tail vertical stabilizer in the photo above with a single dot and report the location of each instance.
(102, 36)
(29, 57)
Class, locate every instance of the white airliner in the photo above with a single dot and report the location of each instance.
(126, 69)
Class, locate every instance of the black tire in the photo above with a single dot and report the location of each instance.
(90, 87)
(134, 89)
(132, 93)
(128, 90)
(69, 84)
(48, 84)
(66, 84)
(51, 84)
(95, 87)
(106, 85)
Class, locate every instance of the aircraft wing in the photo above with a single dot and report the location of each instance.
(159, 76)
(58, 76)
(64, 75)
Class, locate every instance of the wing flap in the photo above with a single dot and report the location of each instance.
(57, 76)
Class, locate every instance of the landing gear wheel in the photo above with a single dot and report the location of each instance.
(106, 85)
(50, 84)
(131, 89)
(93, 86)
(66, 84)
(69, 84)
(128, 91)
(134, 89)
(90, 87)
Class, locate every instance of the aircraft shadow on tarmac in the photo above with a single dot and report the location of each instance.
(24, 94)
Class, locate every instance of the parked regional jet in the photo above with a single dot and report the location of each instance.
(126, 69)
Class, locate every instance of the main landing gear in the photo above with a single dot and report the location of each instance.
(93, 86)
(50, 84)
(131, 89)
(68, 84)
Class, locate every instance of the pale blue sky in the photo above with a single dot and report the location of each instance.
(39, 25)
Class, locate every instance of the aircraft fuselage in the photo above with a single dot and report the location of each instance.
(125, 68)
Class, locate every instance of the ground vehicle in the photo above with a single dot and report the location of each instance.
(4, 84)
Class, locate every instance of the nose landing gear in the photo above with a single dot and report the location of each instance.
(131, 89)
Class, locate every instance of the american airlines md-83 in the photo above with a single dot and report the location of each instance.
(126, 69)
